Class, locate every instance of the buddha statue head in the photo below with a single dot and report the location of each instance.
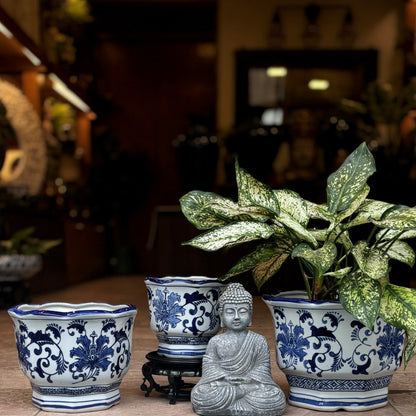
(235, 302)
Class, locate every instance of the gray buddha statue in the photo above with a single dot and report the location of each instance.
(236, 374)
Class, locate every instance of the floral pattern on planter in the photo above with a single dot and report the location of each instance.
(44, 345)
(201, 307)
(331, 360)
(167, 309)
(93, 354)
(75, 356)
(294, 342)
(183, 314)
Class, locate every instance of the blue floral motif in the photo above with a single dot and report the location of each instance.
(360, 361)
(202, 307)
(316, 346)
(94, 352)
(390, 346)
(319, 351)
(292, 344)
(167, 308)
(45, 346)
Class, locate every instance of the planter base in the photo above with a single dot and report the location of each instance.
(182, 347)
(331, 395)
(75, 400)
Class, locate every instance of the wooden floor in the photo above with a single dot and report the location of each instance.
(15, 391)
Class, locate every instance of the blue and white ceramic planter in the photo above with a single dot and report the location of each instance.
(16, 267)
(183, 314)
(74, 355)
(332, 361)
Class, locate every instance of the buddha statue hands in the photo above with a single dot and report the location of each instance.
(236, 373)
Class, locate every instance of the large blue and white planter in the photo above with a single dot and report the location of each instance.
(74, 355)
(331, 361)
(183, 314)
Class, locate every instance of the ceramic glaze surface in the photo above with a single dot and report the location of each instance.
(330, 359)
(75, 355)
(183, 314)
(15, 267)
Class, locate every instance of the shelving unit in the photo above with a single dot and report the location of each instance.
(28, 76)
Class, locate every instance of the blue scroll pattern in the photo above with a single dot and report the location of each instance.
(317, 346)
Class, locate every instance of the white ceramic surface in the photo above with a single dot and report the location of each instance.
(332, 361)
(183, 314)
(15, 267)
(75, 355)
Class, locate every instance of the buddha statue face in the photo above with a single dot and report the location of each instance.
(236, 316)
(236, 307)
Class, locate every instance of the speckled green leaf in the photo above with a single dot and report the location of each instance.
(340, 273)
(410, 350)
(253, 192)
(297, 230)
(265, 270)
(370, 209)
(355, 204)
(319, 211)
(386, 234)
(402, 218)
(263, 253)
(360, 296)
(371, 261)
(196, 206)
(398, 307)
(320, 259)
(347, 183)
(230, 235)
(206, 210)
(293, 206)
(336, 234)
(401, 251)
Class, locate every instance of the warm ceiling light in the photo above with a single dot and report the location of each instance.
(6, 32)
(65, 92)
(31, 56)
(276, 71)
(318, 84)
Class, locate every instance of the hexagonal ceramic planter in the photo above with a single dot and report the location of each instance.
(183, 314)
(74, 355)
(331, 360)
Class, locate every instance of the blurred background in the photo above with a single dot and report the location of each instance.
(111, 110)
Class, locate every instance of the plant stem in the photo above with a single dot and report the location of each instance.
(371, 234)
(305, 279)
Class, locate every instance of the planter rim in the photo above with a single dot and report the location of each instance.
(70, 310)
(181, 280)
(299, 297)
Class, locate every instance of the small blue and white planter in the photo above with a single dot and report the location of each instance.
(331, 361)
(74, 355)
(16, 267)
(183, 314)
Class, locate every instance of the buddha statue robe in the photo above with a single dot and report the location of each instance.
(238, 385)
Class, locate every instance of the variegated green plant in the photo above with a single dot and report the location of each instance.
(332, 264)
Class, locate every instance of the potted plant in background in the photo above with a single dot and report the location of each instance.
(20, 259)
(345, 249)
